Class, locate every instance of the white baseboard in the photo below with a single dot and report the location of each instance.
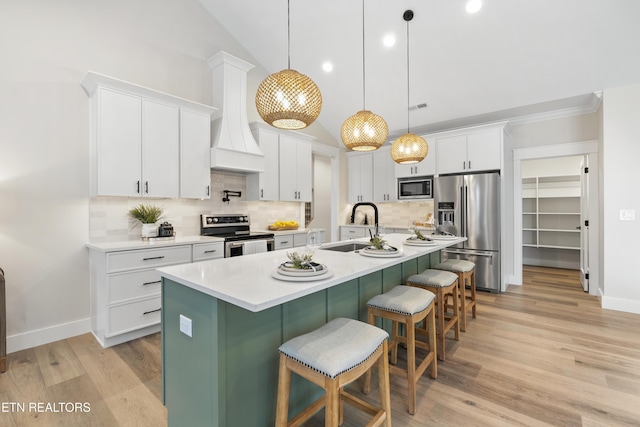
(621, 304)
(44, 336)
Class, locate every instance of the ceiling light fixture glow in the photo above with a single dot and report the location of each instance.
(327, 67)
(389, 40)
(474, 5)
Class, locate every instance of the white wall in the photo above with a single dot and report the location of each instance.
(47, 49)
(621, 151)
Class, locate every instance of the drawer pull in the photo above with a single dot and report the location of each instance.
(152, 311)
(284, 242)
(151, 283)
(210, 251)
(154, 257)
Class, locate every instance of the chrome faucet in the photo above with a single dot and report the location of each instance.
(375, 213)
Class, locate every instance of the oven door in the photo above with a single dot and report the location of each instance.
(237, 248)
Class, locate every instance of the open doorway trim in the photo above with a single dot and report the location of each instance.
(588, 148)
(333, 154)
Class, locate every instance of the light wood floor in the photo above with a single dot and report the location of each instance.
(537, 355)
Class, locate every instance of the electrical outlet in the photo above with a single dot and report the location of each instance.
(186, 326)
(627, 215)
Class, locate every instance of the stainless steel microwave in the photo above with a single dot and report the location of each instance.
(416, 187)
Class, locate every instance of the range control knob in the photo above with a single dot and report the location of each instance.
(215, 220)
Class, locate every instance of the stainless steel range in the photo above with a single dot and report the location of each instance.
(238, 238)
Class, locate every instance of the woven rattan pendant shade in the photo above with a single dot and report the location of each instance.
(288, 100)
(409, 148)
(364, 131)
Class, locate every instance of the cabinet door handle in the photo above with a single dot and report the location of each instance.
(146, 187)
(464, 165)
(151, 311)
(469, 164)
(261, 193)
(210, 251)
(151, 283)
(152, 258)
(208, 190)
(284, 242)
(138, 187)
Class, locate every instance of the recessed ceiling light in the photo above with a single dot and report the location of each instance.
(474, 5)
(327, 66)
(389, 40)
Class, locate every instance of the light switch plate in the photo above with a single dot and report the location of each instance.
(186, 326)
(627, 215)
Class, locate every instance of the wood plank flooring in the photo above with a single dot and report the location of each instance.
(541, 354)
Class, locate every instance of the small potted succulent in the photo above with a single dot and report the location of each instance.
(148, 216)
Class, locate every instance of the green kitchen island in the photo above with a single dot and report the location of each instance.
(223, 321)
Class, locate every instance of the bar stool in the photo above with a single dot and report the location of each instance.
(408, 305)
(440, 283)
(466, 277)
(331, 357)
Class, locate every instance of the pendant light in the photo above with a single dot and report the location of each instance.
(409, 148)
(288, 99)
(364, 131)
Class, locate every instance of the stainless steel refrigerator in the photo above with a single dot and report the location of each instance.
(472, 204)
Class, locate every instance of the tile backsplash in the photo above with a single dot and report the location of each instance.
(108, 219)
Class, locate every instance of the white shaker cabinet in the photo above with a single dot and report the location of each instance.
(265, 185)
(360, 177)
(195, 158)
(145, 143)
(136, 146)
(295, 169)
(471, 151)
(384, 177)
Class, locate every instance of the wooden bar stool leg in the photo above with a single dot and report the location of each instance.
(472, 285)
(463, 301)
(411, 363)
(394, 343)
(440, 307)
(332, 404)
(431, 327)
(456, 311)
(383, 382)
(284, 385)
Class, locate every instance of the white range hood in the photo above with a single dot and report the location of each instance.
(233, 147)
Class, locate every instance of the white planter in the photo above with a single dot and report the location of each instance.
(149, 230)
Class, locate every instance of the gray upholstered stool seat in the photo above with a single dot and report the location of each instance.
(433, 278)
(440, 283)
(455, 265)
(408, 305)
(466, 279)
(331, 357)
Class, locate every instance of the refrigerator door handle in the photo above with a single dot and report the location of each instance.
(475, 253)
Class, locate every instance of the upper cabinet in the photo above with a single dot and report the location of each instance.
(360, 174)
(424, 168)
(287, 173)
(295, 169)
(146, 143)
(469, 150)
(384, 176)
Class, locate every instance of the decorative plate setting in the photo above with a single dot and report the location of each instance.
(380, 253)
(418, 242)
(442, 237)
(324, 274)
(314, 269)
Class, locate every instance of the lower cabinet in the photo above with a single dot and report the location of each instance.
(206, 251)
(125, 291)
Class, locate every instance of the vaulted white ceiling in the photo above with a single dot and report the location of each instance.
(513, 57)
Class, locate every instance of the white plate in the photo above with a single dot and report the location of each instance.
(418, 242)
(439, 237)
(276, 275)
(381, 254)
(301, 272)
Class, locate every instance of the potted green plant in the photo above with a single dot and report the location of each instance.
(148, 216)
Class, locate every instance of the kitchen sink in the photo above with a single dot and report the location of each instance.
(346, 247)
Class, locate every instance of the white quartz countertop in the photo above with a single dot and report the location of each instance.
(247, 281)
(125, 245)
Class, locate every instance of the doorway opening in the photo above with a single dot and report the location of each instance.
(589, 261)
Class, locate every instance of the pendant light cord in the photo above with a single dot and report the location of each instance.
(408, 76)
(288, 35)
(364, 91)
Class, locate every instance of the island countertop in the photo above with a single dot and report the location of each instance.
(247, 281)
